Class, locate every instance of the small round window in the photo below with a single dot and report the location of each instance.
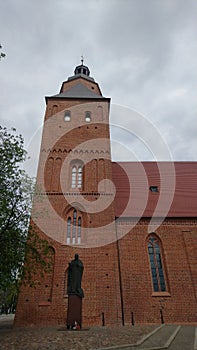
(67, 116)
(88, 117)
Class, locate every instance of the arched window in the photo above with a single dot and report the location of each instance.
(77, 176)
(156, 265)
(87, 117)
(54, 109)
(67, 116)
(74, 228)
(100, 112)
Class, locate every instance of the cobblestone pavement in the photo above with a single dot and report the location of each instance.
(54, 338)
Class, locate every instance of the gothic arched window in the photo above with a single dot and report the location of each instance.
(77, 176)
(156, 264)
(74, 228)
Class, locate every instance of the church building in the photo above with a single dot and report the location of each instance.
(132, 224)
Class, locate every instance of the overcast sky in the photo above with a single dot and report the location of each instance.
(141, 52)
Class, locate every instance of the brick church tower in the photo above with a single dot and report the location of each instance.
(133, 224)
(76, 207)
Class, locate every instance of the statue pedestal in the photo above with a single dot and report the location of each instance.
(74, 310)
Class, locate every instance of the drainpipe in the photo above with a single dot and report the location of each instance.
(120, 278)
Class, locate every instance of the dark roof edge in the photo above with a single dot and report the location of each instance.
(154, 161)
(100, 98)
(157, 217)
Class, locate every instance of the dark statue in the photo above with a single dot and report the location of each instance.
(75, 272)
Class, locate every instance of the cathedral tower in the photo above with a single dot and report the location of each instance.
(76, 211)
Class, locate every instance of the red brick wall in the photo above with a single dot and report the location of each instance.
(178, 303)
(100, 284)
(102, 287)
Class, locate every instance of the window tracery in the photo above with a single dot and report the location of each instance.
(74, 222)
(156, 264)
(77, 176)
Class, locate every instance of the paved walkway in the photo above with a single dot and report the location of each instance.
(171, 337)
(149, 337)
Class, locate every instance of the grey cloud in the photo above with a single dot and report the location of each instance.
(142, 53)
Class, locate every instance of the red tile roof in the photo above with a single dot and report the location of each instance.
(177, 189)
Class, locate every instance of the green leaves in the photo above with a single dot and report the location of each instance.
(15, 202)
(16, 193)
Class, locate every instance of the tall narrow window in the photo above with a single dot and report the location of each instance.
(74, 227)
(156, 265)
(74, 223)
(68, 230)
(74, 176)
(77, 176)
(79, 231)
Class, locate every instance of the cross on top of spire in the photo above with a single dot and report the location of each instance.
(82, 59)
